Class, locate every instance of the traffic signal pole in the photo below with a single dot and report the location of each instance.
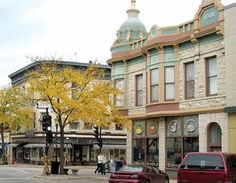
(46, 148)
(47, 128)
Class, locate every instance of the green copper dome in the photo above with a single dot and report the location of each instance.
(133, 23)
(131, 30)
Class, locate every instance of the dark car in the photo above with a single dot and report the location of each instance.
(139, 174)
(207, 167)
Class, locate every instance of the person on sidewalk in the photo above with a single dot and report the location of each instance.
(100, 160)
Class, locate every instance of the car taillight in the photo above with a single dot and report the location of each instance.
(134, 176)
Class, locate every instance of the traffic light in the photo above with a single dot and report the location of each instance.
(100, 143)
(49, 137)
(98, 137)
(46, 122)
(47, 127)
(49, 134)
(96, 133)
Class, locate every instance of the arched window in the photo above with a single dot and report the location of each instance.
(214, 137)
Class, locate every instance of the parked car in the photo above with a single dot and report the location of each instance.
(139, 174)
(207, 167)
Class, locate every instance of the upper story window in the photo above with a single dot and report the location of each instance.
(211, 76)
(119, 84)
(118, 127)
(88, 126)
(139, 90)
(74, 126)
(189, 80)
(154, 85)
(170, 83)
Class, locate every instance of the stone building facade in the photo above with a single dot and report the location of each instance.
(28, 145)
(178, 84)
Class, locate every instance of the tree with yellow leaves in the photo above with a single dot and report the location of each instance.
(14, 112)
(75, 94)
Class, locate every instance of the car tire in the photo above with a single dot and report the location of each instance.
(166, 181)
(147, 181)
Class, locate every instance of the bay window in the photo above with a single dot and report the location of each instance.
(189, 80)
(139, 90)
(154, 85)
(170, 83)
(211, 76)
(119, 84)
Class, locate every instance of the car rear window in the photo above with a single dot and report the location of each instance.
(203, 161)
(128, 168)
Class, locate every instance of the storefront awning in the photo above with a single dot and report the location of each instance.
(34, 145)
(67, 146)
(111, 147)
(12, 145)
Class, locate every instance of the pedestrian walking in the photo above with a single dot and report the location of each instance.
(100, 160)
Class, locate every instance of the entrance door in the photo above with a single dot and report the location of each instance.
(78, 153)
(214, 137)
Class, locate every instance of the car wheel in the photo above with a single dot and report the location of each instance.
(166, 181)
(147, 181)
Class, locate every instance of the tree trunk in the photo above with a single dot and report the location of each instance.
(3, 145)
(61, 150)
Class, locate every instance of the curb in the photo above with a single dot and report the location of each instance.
(70, 177)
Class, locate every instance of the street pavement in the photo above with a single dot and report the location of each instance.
(27, 173)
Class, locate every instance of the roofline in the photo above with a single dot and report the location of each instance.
(68, 63)
(230, 6)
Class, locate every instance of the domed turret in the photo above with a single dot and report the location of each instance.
(132, 29)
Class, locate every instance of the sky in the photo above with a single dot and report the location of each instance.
(77, 30)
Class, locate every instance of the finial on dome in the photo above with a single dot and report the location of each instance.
(133, 4)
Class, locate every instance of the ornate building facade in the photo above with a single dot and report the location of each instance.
(179, 85)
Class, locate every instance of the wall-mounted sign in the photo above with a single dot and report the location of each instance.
(173, 126)
(152, 129)
(209, 16)
(190, 125)
(138, 130)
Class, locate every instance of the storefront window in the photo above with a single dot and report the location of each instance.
(153, 151)
(182, 137)
(34, 152)
(40, 153)
(191, 144)
(138, 150)
(173, 152)
(146, 141)
(19, 154)
(26, 153)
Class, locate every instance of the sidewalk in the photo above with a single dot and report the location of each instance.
(85, 172)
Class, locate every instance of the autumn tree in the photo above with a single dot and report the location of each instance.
(14, 112)
(75, 94)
